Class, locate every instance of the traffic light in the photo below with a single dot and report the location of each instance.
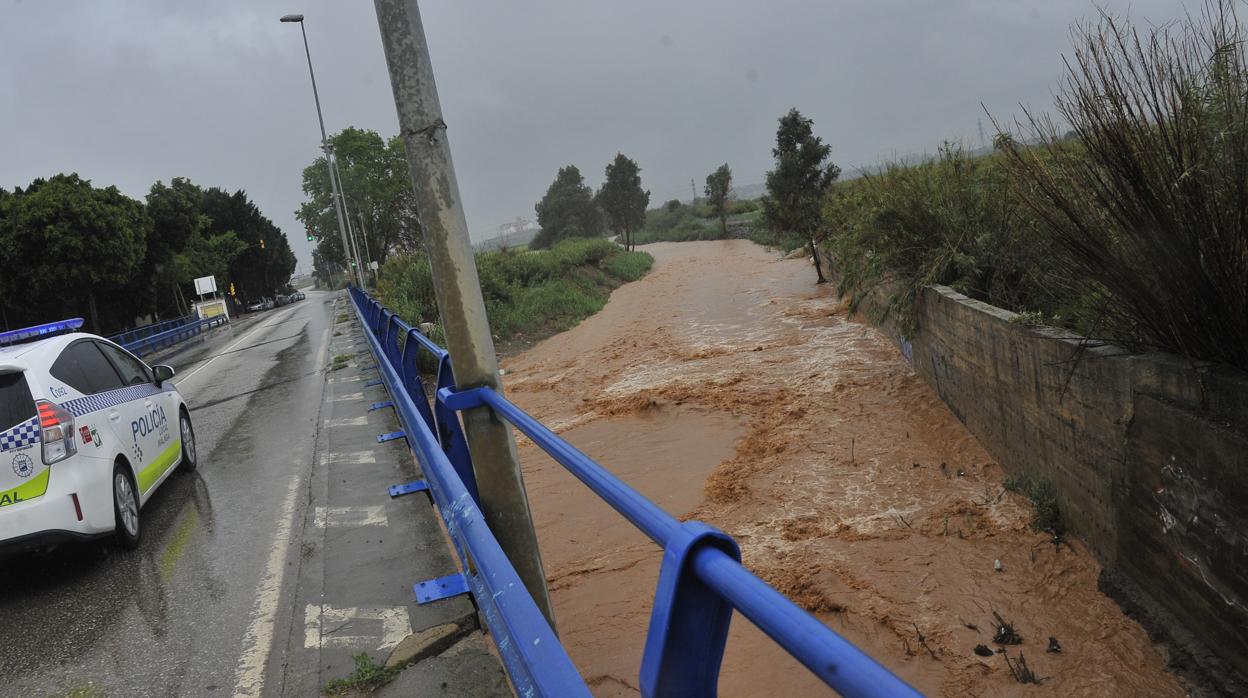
(311, 237)
(262, 243)
(353, 264)
(232, 288)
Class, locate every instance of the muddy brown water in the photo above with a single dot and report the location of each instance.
(727, 387)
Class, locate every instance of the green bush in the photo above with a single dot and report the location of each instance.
(527, 293)
(629, 266)
(953, 221)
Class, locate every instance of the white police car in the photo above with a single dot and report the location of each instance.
(87, 434)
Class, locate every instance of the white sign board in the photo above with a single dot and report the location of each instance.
(372, 265)
(205, 285)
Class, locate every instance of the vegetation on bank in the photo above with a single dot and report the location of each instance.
(528, 294)
(1132, 226)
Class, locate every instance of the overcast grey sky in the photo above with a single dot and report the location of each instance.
(132, 92)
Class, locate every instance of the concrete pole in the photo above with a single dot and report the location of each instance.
(499, 481)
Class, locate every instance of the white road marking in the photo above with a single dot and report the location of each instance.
(351, 517)
(346, 379)
(347, 396)
(228, 349)
(357, 458)
(258, 641)
(349, 421)
(327, 626)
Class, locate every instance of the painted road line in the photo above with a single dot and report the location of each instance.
(356, 458)
(351, 517)
(230, 348)
(355, 627)
(346, 397)
(258, 640)
(348, 422)
(346, 379)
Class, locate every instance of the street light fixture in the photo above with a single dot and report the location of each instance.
(337, 195)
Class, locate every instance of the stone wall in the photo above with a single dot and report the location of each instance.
(1148, 455)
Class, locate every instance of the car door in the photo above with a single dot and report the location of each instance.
(148, 420)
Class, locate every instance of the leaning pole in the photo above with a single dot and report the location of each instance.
(490, 442)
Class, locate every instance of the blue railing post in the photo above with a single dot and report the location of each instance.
(451, 434)
(689, 622)
(409, 371)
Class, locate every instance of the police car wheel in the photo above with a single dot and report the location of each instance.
(189, 455)
(126, 508)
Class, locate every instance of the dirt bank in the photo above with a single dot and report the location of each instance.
(729, 388)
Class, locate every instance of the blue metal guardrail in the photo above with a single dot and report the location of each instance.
(136, 333)
(186, 328)
(701, 581)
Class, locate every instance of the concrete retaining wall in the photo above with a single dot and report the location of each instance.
(1148, 455)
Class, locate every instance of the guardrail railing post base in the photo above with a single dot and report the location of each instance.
(689, 623)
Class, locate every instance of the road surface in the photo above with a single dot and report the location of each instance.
(186, 614)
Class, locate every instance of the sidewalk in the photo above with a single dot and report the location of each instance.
(362, 551)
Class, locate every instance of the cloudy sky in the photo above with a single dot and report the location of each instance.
(130, 92)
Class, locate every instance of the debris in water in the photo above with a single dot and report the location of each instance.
(971, 626)
(983, 650)
(1054, 647)
(1004, 633)
(923, 640)
(914, 465)
(1019, 669)
(996, 565)
(961, 472)
(944, 469)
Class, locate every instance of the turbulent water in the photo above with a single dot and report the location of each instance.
(728, 387)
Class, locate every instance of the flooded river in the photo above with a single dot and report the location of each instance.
(728, 387)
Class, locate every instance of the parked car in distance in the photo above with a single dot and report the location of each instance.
(281, 299)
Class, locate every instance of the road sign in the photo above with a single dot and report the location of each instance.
(372, 265)
(205, 285)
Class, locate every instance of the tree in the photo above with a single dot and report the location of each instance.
(622, 199)
(567, 210)
(378, 194)
(71, 248)
(718, 189)
(177, 218)
(795, 189)
(257, 270)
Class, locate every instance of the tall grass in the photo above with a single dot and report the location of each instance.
(950, 221)
(1150, 212)
(528, 294)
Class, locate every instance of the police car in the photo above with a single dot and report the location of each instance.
(88, 433)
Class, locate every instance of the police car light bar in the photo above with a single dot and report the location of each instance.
(27, 334)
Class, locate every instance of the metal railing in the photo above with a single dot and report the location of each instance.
(701, 580)
(166, 338)
(136, 333)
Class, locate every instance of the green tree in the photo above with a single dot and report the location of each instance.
(258, 269)
(378, 193)
(177, 219)
(803, 175)
(718, 189)
(622, 199)
(71, 248)
(567, 210)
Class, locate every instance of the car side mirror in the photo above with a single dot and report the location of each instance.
(162, 373)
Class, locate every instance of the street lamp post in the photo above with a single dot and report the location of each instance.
(346, 212)
(333, 182)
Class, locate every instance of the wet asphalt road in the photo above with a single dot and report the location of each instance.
(182, 614)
